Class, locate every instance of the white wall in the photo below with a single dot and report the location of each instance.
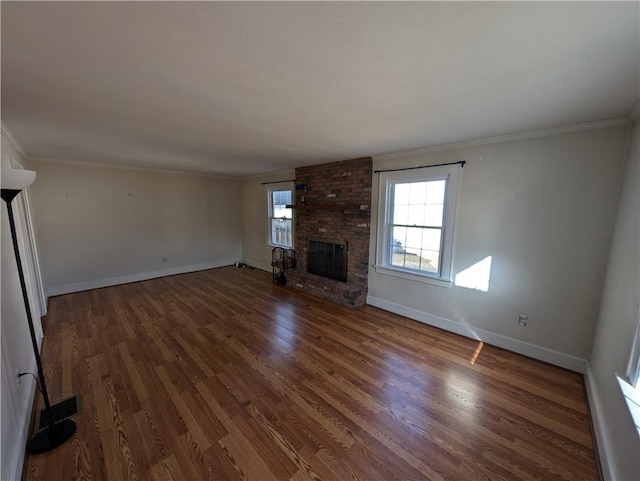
(543, 209)
(255, 250)
(17, 353)
(617, 437)
(99, 226)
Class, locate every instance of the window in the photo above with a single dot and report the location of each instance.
(415, 224)
(280, 225)
(633, 367)
(630, 383)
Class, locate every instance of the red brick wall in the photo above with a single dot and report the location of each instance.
(346, 183)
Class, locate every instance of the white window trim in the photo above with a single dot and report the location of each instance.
(269, 188)
(630, 381)
(387, 180)
(633, 367)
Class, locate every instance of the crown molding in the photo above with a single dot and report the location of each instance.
(269, 176)
(533, 134)
(103, 165)
(635, 112)
(16, 144)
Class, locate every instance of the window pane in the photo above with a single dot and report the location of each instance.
(397, 248)
(281, 211)
(419, 203)
(412, 261)
(416, 215)
(431, 239)
(414, 239)
(281, 232)
(430, 261)
(399, 238)
(435, 192)
(397, 259)
(280, 199)
(401, 194)
(401, 214)
(418, 193)
(433, 215)
(416, 248)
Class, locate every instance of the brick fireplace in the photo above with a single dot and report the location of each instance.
(335, 206)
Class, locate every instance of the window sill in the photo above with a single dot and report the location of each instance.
(632, 398)
(435, 281)
(271, 246)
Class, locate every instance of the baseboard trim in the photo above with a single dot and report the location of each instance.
(603, 445)
(258, 265)
(143, 276)
(19, 449)
(521, 347)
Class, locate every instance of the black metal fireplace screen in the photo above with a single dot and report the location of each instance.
(328, 258)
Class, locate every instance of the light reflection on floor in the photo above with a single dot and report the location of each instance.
(396, 388)
(462, 390)
(462, 393)
(285, 327)
(400, 392)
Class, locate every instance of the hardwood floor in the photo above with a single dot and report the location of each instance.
(221, 375)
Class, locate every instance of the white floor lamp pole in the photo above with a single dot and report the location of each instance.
(13, 182)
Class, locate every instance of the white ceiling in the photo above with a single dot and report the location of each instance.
(243, 88)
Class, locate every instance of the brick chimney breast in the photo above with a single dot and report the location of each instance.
(346, 183)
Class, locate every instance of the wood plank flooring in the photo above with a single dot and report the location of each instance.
(221, 375)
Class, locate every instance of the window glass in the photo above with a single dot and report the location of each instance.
(417, 225)
(416, 218)
(280, 216)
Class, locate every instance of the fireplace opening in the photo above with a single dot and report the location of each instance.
(328, 258)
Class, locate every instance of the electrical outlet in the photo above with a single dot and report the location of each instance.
(18, 377)
(522, 320)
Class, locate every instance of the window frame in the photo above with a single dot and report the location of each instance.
(269, 190)
(388, 181)
(632, 373)
(630, 382)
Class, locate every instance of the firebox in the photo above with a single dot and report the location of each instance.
(328, 258)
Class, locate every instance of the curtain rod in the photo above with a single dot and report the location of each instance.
(461, 162)
(278, 181)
